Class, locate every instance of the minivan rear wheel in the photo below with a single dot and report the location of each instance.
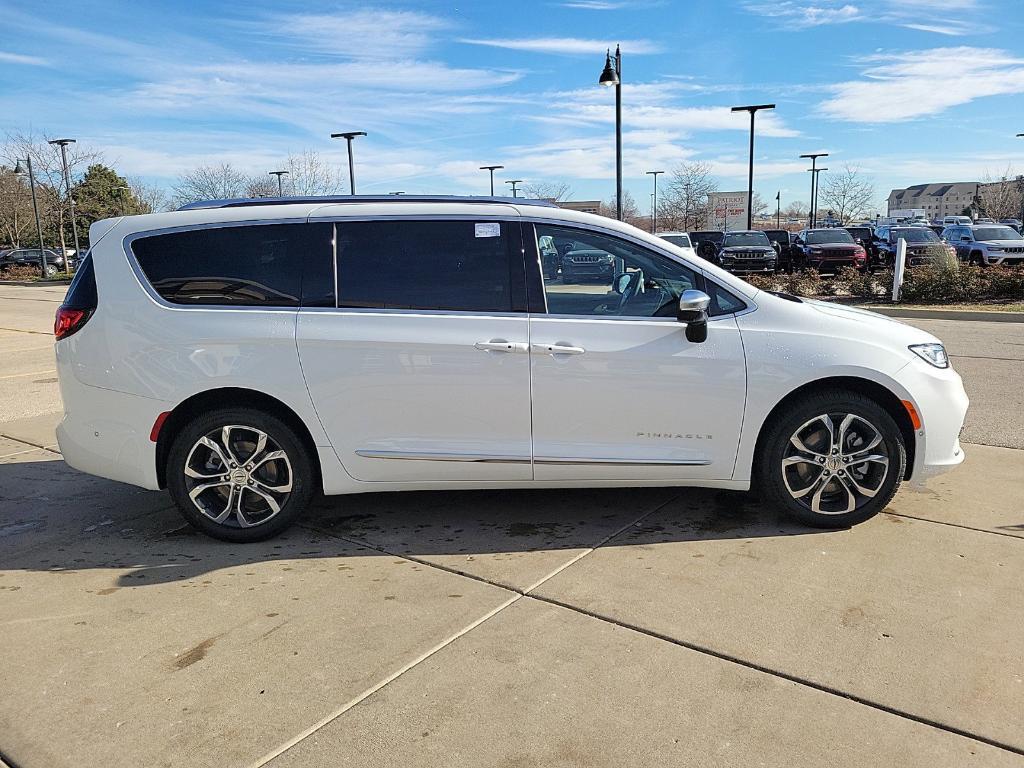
(239, 474)
(833, 460)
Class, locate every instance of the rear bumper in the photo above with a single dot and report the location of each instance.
(106, 433)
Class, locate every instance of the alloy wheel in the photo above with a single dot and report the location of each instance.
(238, 476)
(835, 463)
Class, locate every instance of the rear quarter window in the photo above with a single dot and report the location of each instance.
(251, 265)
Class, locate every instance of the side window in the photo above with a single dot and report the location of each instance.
(441, 265)
(597, 275)
(251, 265)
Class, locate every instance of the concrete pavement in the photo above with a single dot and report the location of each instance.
(568, 628)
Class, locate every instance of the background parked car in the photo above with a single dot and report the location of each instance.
(829, 249)
(985, 244)
(783, 241)
(1014, 224)
(747, 251)
(707, 243)
(864, 236)
(680, 240)
(923, 245)
(32, 257)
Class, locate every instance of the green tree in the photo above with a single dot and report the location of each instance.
(103, 194)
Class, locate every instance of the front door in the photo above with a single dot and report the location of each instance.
(421, 370)
(618, 391)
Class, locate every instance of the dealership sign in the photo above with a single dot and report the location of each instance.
(728, 210)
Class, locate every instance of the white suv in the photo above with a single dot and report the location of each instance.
(248, 354)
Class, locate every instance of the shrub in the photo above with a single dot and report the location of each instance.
(20, 272)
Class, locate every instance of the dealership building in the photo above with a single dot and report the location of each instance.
(937, 200)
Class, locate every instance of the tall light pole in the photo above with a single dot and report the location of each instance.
(814, 196)
(124, 202)
(654, 204)
(63, 144)
(513, 182)
(1020, 187)
(753, 109)
(492, 169)
(814, 181)
(778, 209)
(280, 187)
(35, 207)
(348, 136)
(612, 75)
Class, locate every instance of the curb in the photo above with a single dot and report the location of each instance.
(947, 314)
(28, 283)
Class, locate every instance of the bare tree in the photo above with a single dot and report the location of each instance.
(547, 190)
(48, 169)
(16, 215)
(310, 174)
(261, 186)
(1001, 198)
(210, 182)
(684, 202)
(150, 198)
(796, 210)
(847, 194)
(630, 210)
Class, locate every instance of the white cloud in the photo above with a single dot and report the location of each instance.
(897, 87)
(594, 5)
(802, 15)
(19, 58)
(364, 34)
(944, 17)
(565, 45)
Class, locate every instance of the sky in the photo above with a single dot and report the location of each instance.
(907, 91)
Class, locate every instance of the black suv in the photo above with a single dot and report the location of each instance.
(32, 257)
(746, 251)
(923, 245)
(829, 249)
(707, 242)
(783, 241)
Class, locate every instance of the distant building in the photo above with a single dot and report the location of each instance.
(937, 200)
(584, 206)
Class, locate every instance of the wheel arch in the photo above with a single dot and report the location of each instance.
(229, 397)
(877, 392)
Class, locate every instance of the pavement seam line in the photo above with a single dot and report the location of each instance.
(30, 373)
(783, 675)
(22, 330)
(951, 525)
(517, 596)
(27, 442)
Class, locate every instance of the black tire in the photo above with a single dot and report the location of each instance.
(976, 260)
(296, 469)
(775, 446)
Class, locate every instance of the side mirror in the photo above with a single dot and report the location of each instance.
(693, 310)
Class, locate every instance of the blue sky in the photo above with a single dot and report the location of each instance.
(910, 91)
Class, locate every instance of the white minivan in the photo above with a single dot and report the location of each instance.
(247, 354)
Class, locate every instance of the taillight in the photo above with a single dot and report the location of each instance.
(69, 321)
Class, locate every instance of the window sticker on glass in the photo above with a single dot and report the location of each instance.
(491, 229)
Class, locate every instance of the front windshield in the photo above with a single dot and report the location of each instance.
(995, 233)
(914, 235)
(683, 241)
(733, 239)
(829, 236)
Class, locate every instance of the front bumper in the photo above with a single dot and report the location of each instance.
(940, 400)
(737, 266)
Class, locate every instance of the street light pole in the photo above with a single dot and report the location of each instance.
(814, 196)
(492, 169)
(814, 189)
(613, 76)
(753, 110)
(280, 187)
(654, 204)
(124, 202)
(778, 209)
(63, 144)
(513, 182)
(348, 136)
(35, 209)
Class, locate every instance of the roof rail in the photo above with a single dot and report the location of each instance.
(242, 202)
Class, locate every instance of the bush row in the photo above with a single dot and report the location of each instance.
(933, 284)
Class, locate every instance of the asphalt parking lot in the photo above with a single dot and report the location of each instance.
(526, 628)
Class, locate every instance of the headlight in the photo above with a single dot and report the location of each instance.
(933, 354)
(994, 248)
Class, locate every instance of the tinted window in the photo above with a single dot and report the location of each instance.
(734, 239)
(828, 236)
(82, 291)
(995, 233)
(444, 265)
(683, 241)
(914, 235)
(253, 265)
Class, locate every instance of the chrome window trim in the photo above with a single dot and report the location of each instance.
(415, 312)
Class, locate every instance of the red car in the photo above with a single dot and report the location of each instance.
(826, 250)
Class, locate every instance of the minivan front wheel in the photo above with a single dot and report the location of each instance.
(239, 474)
(834, 460)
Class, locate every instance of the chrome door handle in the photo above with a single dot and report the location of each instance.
(498, 345)
(558, 349)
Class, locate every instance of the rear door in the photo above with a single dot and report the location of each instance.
(419, 366)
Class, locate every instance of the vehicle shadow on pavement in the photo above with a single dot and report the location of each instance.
(53, 518)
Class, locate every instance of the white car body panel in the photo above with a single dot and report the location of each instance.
(368, 383)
